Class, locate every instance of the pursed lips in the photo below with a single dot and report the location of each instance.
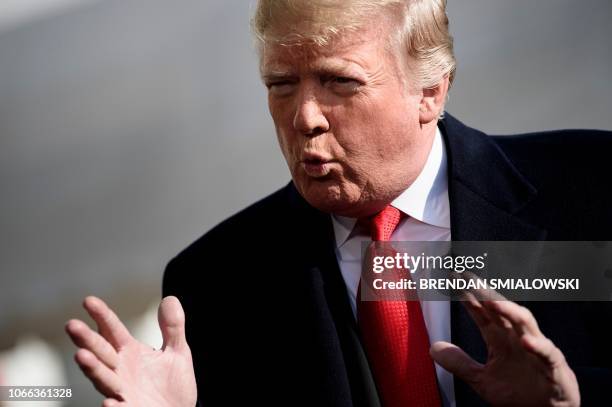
(316, 165)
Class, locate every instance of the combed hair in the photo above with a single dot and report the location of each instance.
(422, 29)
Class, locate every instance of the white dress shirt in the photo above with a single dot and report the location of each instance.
(426, 204)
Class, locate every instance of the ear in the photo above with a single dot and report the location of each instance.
(432, 101)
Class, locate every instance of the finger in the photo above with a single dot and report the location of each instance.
(488, 323)
(110, 402)
(521, 318)
(103, 379)
(487, 294)
(456, 361)
(544, 349)
(477, 305)
(85, 337)
(109, 325)
(478, 313)
(172, 323)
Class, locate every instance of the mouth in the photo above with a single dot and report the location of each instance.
(316, 165)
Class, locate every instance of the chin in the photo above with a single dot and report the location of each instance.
(328, 196)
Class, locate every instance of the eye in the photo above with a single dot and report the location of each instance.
(343, 84)
(281, 87)
(343, 80)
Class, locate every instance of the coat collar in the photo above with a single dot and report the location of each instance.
(486, 191)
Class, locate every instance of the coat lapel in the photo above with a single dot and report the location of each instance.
(485, 189)
(486, 194)
(349, 379)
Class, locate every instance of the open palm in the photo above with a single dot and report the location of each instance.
(128, 372)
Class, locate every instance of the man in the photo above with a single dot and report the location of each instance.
(272, 311)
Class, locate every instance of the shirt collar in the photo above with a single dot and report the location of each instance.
(425, 200)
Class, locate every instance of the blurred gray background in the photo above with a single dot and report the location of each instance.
(130, 127)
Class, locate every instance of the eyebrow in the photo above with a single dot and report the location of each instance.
(324, 68)
(276, 75)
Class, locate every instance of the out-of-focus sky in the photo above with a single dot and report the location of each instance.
(16, 13)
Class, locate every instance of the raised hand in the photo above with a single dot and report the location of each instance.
(129, 373)
(523, 367)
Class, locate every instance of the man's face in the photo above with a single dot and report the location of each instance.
(346, 123)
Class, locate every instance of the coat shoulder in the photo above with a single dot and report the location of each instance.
(573, 158)
(572, 148)
(570, 170)
(225, 240)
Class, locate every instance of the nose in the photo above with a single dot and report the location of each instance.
(309, 118)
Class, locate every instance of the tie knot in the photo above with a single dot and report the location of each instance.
(384, 223)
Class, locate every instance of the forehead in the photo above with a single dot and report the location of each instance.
(361, 48)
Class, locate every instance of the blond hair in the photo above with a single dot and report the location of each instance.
(421, 34)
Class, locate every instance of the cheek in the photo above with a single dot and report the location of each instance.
(284, 141)
(374, 141)
(358, 136)
(283, 129)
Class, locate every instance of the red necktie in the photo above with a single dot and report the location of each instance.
(395, 339)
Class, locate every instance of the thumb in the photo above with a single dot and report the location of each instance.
(172, 323)
(456, 361)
